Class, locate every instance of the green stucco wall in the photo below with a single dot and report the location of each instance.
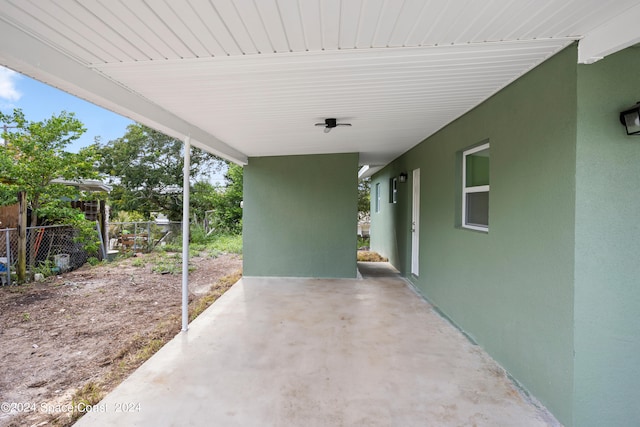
(607, 268)
(300, 216)
(510, 289)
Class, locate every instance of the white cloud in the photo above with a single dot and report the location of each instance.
(8, 90)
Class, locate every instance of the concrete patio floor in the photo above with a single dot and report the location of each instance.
(319, 352)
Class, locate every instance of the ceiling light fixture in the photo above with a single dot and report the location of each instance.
(330, 124)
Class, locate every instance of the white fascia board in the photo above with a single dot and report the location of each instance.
(370, 171)
(616, 34)
(29, 55)
(362, 171)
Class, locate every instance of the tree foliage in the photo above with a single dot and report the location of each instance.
(364, 198)
(220, 205)
(145, 168)
(34, 155)
(226, 201)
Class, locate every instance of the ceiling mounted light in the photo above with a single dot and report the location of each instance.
(330, 124)
(631, 120)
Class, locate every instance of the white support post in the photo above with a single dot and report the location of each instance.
(185, 233)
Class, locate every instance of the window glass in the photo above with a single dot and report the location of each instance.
(393, 193)
(478, 168)
(478, 209)
(475, 190)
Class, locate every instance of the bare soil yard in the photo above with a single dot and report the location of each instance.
(75, 336)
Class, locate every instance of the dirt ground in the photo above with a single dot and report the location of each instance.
(90, 328)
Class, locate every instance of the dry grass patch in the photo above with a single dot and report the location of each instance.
(89, 395)
(370, 256)
(216, 291)
(139, 349)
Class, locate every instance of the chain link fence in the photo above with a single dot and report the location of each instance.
(54, 249)
(143, 236)
(50, 250)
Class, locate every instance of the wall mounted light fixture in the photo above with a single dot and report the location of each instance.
(403, 177)
(631, 120)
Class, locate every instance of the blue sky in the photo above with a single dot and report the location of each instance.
(39, 101)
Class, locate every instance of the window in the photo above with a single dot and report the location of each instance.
(475, 188)
(377, 200)
(393, 190)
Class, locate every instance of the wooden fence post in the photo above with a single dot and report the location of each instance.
(22, 237)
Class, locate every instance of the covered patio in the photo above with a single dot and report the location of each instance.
(417, 84)
(320, 352)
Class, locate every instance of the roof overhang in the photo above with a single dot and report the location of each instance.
(610, 37)
(367, 171)
(246, 79)
(85, 185)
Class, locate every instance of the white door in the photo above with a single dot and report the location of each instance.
(415, 223)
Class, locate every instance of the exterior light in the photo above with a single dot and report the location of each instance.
(403, 177)
(631, 120)
(330, 124)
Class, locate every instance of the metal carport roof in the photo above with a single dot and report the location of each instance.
(250, 78)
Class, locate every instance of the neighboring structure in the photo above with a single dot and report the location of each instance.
(95, 210)
(9, 216)
(552, 289)
(60, 236)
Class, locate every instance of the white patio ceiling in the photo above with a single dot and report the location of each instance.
(251, 77)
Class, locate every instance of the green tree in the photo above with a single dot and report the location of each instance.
(203, 196)
(145, 168)
(364, 198)
(226, 201)
(7, 194)
(220, 204)
(34, 155)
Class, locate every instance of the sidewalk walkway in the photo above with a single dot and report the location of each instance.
(319, 352)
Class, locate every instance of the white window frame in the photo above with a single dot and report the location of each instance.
(466, 190)
(378, 195)
(394, 190)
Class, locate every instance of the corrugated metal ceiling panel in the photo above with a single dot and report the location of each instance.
(103, 31)
(258, 74)
(253, 101)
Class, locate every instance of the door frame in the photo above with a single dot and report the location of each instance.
(415, 223)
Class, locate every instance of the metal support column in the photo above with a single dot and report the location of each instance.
(185, 233)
